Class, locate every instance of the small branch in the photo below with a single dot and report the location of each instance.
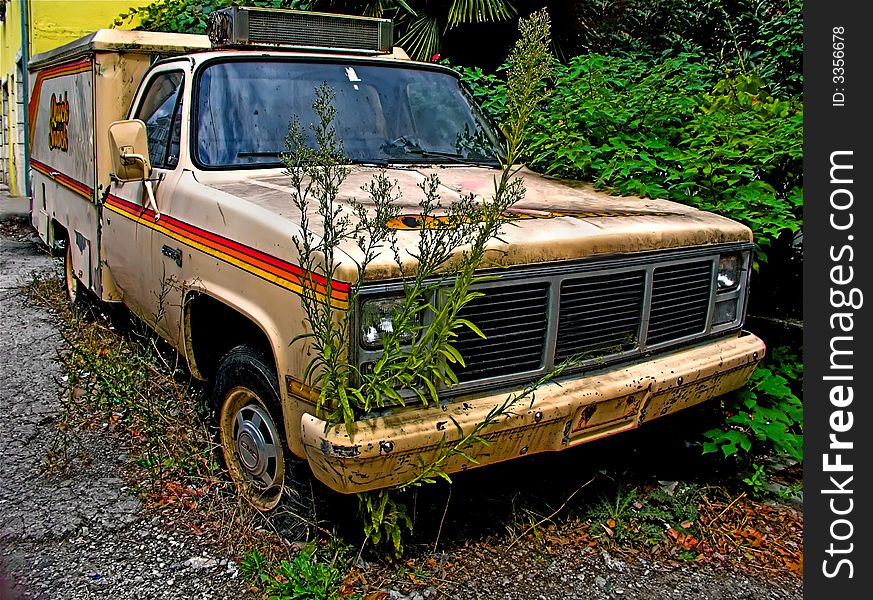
(726, 508)
(442, 520)
(551, 516)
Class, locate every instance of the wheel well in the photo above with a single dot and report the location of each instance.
(212, 329)
(58, 236)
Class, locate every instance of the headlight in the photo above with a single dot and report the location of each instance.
(728, 272)
(377, 321)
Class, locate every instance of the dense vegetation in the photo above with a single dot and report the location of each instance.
(419, 24)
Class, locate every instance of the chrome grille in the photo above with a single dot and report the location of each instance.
(513, 319)
(599, 315)
(680, 301)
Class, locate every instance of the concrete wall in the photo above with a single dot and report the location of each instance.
(52, 24)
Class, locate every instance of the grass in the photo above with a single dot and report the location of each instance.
(118, 377)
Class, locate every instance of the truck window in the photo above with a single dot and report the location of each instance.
(160, 110)
(384, 113)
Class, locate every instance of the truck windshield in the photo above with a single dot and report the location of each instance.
(384, 114)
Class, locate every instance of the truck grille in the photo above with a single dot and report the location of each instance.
(600, 314)
(680, 301)
(601, 317)
(513, 319)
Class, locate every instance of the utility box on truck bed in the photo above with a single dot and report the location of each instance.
(157, 162)
(77, 91)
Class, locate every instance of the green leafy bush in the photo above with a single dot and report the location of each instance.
(674, 129)
(766, 414)
(765, 36)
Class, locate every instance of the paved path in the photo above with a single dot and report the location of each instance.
(85, 536)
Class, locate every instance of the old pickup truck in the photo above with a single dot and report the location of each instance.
(156, 168)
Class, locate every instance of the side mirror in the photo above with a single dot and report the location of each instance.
(129, 147)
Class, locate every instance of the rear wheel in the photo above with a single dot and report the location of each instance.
(246, 399)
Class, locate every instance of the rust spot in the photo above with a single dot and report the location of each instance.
(643, 412)
(467, 406)
(329, 449)
(441, 425)
(587, 414)
(565, 439)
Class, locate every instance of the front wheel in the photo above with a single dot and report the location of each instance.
(246, 396)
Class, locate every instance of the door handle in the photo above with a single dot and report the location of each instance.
(173, 253)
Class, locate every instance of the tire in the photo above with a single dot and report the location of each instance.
(246, 401)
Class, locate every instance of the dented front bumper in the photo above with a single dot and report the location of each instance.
(389, 450)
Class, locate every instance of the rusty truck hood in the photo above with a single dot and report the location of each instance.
(557, 220)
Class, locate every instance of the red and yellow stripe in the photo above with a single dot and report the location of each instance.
(64, 180)
(265, 266)
(69, 68)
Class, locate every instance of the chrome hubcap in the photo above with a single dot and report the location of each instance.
(255, 443)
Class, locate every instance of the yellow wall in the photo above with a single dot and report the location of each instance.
(10, 37)
(52, 24)
(56, 22)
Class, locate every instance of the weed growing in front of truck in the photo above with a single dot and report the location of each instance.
(418, 354)
(314, 573)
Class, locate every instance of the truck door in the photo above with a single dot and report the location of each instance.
(131, 224)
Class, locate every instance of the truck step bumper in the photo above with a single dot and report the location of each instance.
(389, 450)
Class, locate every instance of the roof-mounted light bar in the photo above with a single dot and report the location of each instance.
(301, 30)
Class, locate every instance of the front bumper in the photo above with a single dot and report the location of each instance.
(389, 450)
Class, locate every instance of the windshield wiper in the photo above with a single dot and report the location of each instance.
(412, 146)
(458, 158)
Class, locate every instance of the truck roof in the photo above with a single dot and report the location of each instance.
(157, 42)
(119, 40)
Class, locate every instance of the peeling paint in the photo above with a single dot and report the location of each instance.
(565, 439)
(339, 450)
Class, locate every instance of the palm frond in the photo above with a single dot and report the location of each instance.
(479, 11)
(421, 40)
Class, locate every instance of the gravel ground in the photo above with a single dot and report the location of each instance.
(87, 536)
(84, 536)
(596, 574)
